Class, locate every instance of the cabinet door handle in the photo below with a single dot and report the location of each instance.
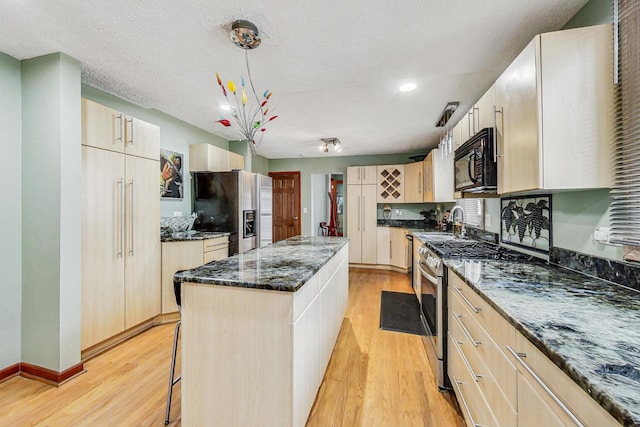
(552, 395)
(466, 300)
(474, 119)
(364, 218)
(456, 384)
(359, 212)
(364, 174)
(130, 121)
(390, 250)
(495, 132)
(458, 317)
(475, 376)
(132, 218)
(121, 240)
(120, 119)
(420, 182)
(469, 120)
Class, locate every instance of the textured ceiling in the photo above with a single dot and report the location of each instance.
(333, 66)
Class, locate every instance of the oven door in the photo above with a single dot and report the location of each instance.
(431, 308)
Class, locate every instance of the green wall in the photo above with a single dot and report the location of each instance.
(175, 135)
(11, 224)
(51, 211)
(593, 13)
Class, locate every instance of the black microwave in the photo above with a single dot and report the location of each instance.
(475, 166)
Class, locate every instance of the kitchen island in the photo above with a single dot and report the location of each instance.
(258, 332)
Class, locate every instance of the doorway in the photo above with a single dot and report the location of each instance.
(286, 204)
(327, 204)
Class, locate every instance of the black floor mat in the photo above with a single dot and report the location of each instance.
(400, 312)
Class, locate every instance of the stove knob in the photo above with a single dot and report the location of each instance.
(422, 250)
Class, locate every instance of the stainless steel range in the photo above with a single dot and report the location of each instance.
(433, 290)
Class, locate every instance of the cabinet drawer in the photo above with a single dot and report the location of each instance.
(496, 326)
(496, 376)
(215, 243)
(576, 400)
(474, 407)
(216, 255)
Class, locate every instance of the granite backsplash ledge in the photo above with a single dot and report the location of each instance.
(622, 273)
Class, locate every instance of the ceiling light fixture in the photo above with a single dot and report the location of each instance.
(446, 114)
(407, 87)
(330, 143)
(248, 119)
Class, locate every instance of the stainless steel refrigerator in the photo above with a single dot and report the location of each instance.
(226, 201)
(264, 189)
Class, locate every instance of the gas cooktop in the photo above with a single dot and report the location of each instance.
(468, 248)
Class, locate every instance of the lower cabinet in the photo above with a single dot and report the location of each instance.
(393, 247)
(184, 255)
(121, 244)
(294, 333)
(501, 379)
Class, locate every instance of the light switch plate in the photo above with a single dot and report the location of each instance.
(487, 220)
(304, 210)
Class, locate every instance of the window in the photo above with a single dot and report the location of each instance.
(625, 207)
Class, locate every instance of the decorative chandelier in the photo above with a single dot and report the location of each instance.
(248, 119)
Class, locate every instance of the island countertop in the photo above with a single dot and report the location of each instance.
(283, 266)
(588, 327)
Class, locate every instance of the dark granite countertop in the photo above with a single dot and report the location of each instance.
(416, 224)
(187, 236)
(283, 266)
(589, 328)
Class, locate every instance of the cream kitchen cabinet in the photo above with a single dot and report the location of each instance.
(413, 183)
(209, 158)
(362, 175)
(438, 177)
(483, 111)
(183, 255)
(462, 131)
(501, 378)
(112, 130)
(393, 248)
(121, 243)
(554, 119)
(391, 184)
(362, 223)
(120, 223)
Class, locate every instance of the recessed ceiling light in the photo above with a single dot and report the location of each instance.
(407, 87)
(225, 107)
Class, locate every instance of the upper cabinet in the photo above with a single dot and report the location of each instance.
(209, 158)
(413, 183)
(484, 111)
(112, 130)
(391, 184)
(362, 175)
(462, 130)
(438, 177)
(554, 113)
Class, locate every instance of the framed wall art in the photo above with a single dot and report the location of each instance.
(171, 183)
(525, 221)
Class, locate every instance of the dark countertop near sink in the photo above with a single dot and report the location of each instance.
(282, 266)
(417, 224)
(589, 328)
(188, 236)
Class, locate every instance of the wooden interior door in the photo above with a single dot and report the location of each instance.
(286, 204)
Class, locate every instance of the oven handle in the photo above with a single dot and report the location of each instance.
(429, 277)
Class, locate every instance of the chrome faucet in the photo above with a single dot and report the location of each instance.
(452, 213)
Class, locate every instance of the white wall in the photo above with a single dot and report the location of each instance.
(11, 217)
(51, 211)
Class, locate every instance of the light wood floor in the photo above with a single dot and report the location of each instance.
(375, 378)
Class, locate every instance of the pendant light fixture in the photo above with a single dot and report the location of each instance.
(248, 118)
